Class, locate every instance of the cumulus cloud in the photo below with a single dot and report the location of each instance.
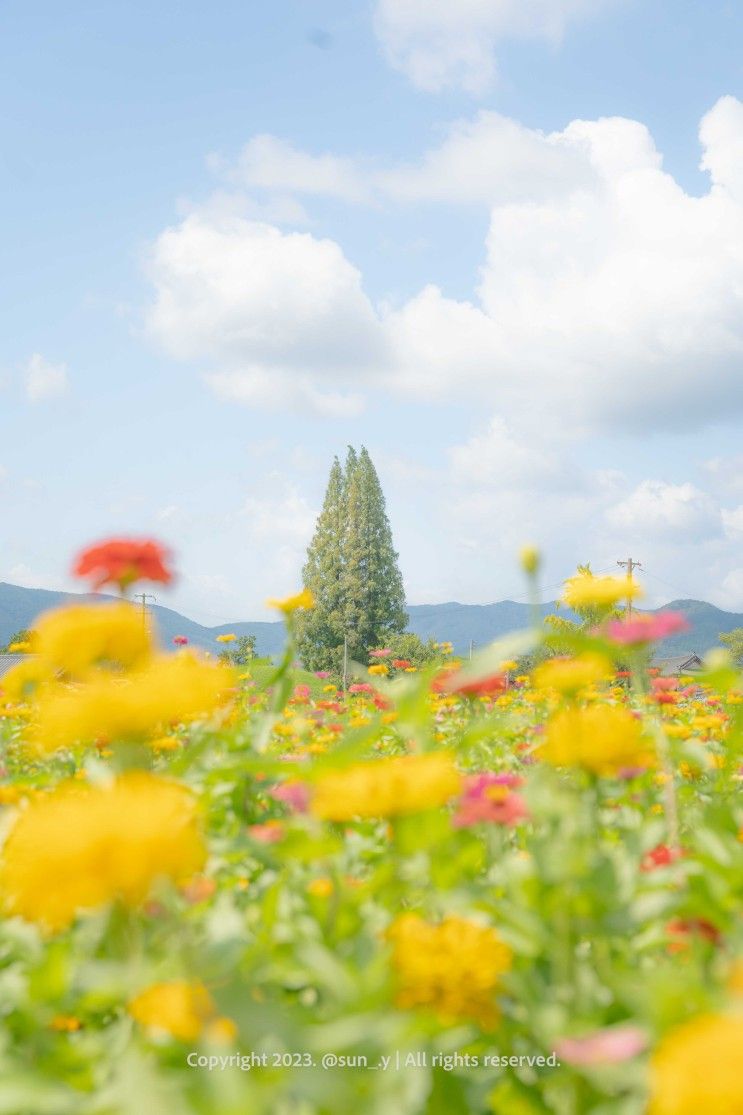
(658, 511)
(273, 311)
(607, 291)
(268, 162)
(44, 380)
(440, 43)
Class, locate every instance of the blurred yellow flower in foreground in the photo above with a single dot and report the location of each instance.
(171, 689)
(386, 787)
(568, 675)
(602, 738)
(585, 589)
(290, 604)
(452, 969)
(76, 639)
(679, 1084)
(81, 847)
(179, 1008)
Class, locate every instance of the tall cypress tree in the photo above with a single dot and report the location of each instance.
(351, 569)
(321, 629)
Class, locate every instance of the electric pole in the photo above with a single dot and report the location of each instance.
(345, 662)
(629, 564)
(144, 597)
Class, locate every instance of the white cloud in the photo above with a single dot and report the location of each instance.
(660, 512)
(500, 458)
(607, 292)
(440, 43)
(282, 315)
(44, 380)
(267, 162)
(491, 160)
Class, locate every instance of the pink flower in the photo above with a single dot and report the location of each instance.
(602, 1047)
(322, 673)
(384, 652)
(488, 798)
(646, 628)
(295, 795)
(180, 640)
(361, 687)
(269, 833)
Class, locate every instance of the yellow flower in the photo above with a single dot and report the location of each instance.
(379, 669)
(679, 1084)
(21, 681)
(386, 787)
(74, 640)
(226, 638)
(179, 1008)
(290, 604)
(530, 559)
(171, 689)
(65, 1023)
(23, 647)
(321, 887)
(81, 847)
(568, 675)
(602, 738)
(586, 589)
(452, 969)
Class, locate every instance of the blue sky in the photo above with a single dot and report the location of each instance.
(237, 239)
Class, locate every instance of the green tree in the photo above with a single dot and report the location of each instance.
(242, 653)
(351, 569)
(20, 638)
(733, 640)
(320, 631)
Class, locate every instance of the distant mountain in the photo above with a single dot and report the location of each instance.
(461, 624)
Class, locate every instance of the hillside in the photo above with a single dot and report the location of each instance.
(461, 624)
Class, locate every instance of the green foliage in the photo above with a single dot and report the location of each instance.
(733, 640)
(22, 636)
(351, 569)
(409, 646)
(242, 653)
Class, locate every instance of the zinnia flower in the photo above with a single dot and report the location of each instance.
(452, 969)
(180, 1009)
(386, 787)
(603, 1047)
(81, 847)
(696, 1068)
(585, 589)
(457, 682)
(601, 738)
(646, 628)
(488, 798)
(290, 604)
(122, 562)
(180, 640)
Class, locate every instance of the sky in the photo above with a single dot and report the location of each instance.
(499, 242)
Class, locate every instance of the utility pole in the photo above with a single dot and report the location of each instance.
(470, 650)
(345, 662)
(144, 597)
(629, 564)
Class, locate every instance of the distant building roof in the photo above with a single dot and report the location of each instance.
(8, 661)
(679, 664)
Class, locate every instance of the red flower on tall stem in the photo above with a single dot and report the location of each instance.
(122, 562)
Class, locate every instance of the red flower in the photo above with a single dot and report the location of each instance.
(401, 663)
(453, 682)
(660, 856)
(680, 930)
(180, 640)
(122, 561)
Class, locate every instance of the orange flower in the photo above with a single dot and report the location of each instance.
(122, 561)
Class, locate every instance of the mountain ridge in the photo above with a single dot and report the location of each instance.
(461, 624)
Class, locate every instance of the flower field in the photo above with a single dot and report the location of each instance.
(461, 888)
